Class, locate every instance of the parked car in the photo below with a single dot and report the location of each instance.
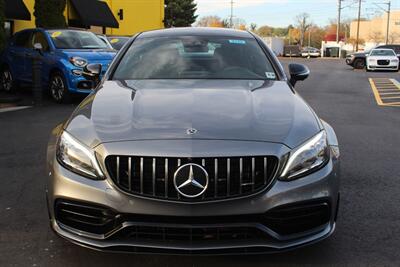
(292, 51)
(382, 59)
(195, 141)
(64, 55)
(117, 42)
(105, 40)
(114, 42)
(310, 52)
(358, 60)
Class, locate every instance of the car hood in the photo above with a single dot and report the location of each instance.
(383, 57)
(267, 111)
(91, 54)
(361, 54)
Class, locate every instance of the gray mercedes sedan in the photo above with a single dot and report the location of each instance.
(195, 141)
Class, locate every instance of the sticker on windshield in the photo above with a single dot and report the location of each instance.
(270, 75)
(115, 40)
(241, 42)
(56, 34)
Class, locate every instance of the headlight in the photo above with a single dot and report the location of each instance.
(395, 60)
(77, 157)
(78, 61)
(307, 157)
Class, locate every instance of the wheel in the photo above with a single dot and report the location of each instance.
(7, 82)
(59, 89)
(359, 63)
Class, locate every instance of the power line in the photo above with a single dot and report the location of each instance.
(388, 17)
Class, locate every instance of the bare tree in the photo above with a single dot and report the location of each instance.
(303, 23)
(394, 38)
(376, 37)
(253, 27)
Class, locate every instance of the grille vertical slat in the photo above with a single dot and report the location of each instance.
(166, 178)
(265, 170)
(154, 176)
(240, 175)
(216, 177)
(253, 172)
(141, 175)
(228, 176)
(130, 173)
(118, 170)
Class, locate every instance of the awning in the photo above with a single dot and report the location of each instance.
(94, 13)
(16, 9)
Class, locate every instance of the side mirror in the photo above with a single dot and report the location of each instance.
(298, 72)
(92, 73)
(38, 47)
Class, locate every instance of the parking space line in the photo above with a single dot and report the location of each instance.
(375, 91)
(385, 90)
(3, 110)
(393, 93)
(390, 97)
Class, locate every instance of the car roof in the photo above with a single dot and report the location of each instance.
(382, 49)
(196, 31)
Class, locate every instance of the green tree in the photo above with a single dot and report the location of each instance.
(180, 13)
(2, 19)
(265, 31)
(50, 13)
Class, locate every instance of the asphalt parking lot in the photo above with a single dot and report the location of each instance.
(368, 229)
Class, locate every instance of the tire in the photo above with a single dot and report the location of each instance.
(7, 82)
(359, 64)
(58, 88)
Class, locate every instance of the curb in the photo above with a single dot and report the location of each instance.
(9, 99)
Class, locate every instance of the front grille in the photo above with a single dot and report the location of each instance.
(383, 62)
(206, 234)
(228, 177)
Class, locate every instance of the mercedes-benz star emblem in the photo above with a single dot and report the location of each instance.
(191, 131)
(191, 180)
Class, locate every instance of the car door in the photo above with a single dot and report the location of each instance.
(18, 53)
(37, 37)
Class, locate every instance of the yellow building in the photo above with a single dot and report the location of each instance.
(113, 17)
(374, 30)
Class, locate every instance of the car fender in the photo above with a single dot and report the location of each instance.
(331, 135)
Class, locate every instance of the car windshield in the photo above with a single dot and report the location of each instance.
(69, 39)
(195, 57)
(118, 42)
(382, 53)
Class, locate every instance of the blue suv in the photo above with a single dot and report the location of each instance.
(64, 54)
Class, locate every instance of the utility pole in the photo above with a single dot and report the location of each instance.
(388, 10)
(388, 22)
(338, 20)
(309, 37)
(231, 19)
(358, 24)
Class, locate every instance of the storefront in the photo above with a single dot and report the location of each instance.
(15, 10)
(113, 17)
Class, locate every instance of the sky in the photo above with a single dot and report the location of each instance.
(281, 13)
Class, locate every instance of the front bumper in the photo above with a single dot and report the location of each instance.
(199, 225)
(375, 66)
(77, 83)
